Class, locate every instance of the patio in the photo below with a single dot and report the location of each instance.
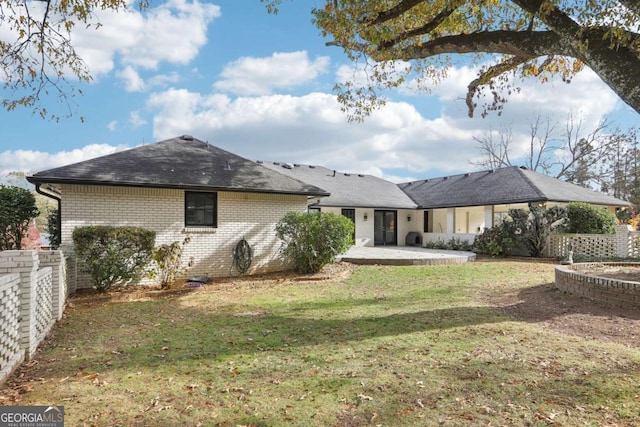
(404, 255)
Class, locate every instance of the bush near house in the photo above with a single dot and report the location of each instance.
(584, 218)
(532, 228)
(494, 241)
(527, 228)
(313, 240)
(453, 244)
(113, 256)
(167, 262)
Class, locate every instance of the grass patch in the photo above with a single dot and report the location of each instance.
(387, 346)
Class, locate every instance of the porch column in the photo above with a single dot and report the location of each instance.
(488, 216)
(451, 220)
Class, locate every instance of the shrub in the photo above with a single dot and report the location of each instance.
(453, 244)
(532, 228)
(167, 260)
(494, 241)
(313, 240)
(113, 256)
(587, 219)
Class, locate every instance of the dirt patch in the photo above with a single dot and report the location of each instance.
(571, 315)
(332, 272)
(631, 274)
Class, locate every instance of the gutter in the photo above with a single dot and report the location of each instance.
(59, 202)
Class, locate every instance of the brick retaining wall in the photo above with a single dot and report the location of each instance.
(621, 293)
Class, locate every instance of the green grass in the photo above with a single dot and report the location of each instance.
(392, 346)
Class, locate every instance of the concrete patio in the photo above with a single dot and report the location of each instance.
(404, 255)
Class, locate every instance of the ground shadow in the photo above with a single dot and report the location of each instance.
(570, 314)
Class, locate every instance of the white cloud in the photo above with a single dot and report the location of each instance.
(172, 32)
(132, 80)
(260, 76)
(136, 120)
(312, 129)
(31, 161)
(112, 125)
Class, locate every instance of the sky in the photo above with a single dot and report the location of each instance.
(261, 86)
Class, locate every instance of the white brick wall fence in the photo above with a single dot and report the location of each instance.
(625, 243)
(33, 293)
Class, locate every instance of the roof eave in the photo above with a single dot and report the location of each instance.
(45, 180)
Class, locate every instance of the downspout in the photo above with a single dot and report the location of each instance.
(59, 219)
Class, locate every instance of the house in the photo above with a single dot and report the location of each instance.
(178, 187)
(186, 187)
(381, 211)
(459, 206)
(463, 205)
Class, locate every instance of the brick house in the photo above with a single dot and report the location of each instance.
(178, 187)
(183, 186)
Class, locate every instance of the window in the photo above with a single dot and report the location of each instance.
(200, 209)
(425, 226)
(499, 217)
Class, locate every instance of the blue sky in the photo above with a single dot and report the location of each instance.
(260, 86)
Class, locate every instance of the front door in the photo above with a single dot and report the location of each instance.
(384, 228)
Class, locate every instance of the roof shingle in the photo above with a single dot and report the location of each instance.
(182, 162)
(500, 186)
(348, 190)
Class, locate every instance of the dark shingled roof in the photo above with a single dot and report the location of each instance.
(501, 186)
(183, 162)
(348, 190)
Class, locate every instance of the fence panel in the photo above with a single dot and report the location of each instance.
(44, 303)
(11, 353)
(625, 243)
(31, 300)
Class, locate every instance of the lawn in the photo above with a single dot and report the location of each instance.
(389, 346)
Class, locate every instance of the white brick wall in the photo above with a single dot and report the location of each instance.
(249, 215)
(28, 308)
(11, 353)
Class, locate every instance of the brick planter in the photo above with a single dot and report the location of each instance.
(622, 293)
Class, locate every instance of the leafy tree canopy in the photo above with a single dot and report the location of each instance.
(37, 56)
(395, 40)
(17, 208)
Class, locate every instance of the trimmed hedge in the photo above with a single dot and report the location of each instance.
(113, 256)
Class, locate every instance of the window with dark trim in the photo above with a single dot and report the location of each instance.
(426, 222)
(200, 209)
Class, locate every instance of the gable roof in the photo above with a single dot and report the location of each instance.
(500, 186)
(347, 190)
(183, 162)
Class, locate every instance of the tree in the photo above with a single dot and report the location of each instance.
(620, 173)
(53, 228)
(313, 240)
(574, 155)
(41, 57)
(532, 228)
(534, 38)
(17, 209)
